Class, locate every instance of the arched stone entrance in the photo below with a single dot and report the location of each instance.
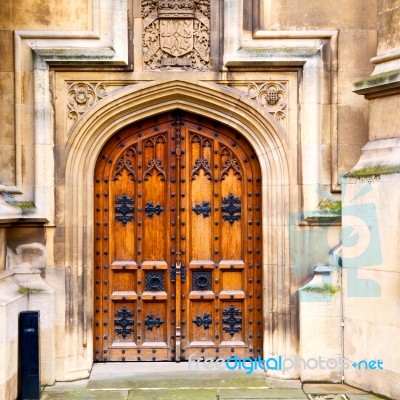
(135, 103)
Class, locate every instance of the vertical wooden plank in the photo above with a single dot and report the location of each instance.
(122, 207)
(154, 198)
(201, 191)
(232, 199)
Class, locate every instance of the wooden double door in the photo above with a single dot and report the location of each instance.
(178, 244)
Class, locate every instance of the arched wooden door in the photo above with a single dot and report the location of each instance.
(177, 243)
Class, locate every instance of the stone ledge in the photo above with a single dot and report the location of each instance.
(378, 157)
(67, 56)
(380, 85)
(277, 57)
(322, 219)
(19, 213)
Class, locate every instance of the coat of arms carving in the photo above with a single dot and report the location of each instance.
(176, 34)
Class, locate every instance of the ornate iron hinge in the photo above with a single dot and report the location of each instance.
(232, 209)
(124, 322)
(233, 318)
(203, 208)
(152, 209)
(152, 322)
(206, 321)
(124, 209)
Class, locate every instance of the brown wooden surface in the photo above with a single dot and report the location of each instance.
(163, 270)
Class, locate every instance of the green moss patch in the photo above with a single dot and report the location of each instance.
(374, 171)
(379, 79)
(24, 205)
(27, 290)
(27, 207)
(325, 289)
(330, 207)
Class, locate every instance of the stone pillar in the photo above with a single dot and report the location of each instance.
(3, 249)
(8, 214)
(371, 210)
(8, 339)
(320, 326)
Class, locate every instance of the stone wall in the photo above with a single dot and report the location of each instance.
(372, 325)
(371, 279)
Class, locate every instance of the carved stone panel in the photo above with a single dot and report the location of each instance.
(176, 34)
(82, 96)
(271, 95)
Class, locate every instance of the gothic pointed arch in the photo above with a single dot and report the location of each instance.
(139, 101)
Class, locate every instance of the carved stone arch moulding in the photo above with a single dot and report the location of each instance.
(141, 101)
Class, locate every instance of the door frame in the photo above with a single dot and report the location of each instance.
(138, 102)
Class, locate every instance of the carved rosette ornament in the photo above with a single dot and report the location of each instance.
(176, 34)
(82, 96)
(272, 96)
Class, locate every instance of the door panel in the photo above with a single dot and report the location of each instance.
(177, 243)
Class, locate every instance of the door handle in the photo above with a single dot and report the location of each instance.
(172, 273)
(178, 269)
(183, 273)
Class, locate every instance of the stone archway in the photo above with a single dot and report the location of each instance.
(135, 103)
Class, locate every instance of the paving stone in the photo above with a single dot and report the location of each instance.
(328, 396)
(321, 388)
(352, 394)
(364, 396)
(170, 376)
(234, 394)
(198, 394)
(172, 381)
(175, 383)
(67, 386)
(274, 383)
(86, 395)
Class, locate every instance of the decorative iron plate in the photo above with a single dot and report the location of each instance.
(206, 321)
(152, 322)
(201, 280)
(124, 209)
(203, 208)
(155, 281)
(232, 320)
(124, 322)
(152, 209)
(231, 211)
